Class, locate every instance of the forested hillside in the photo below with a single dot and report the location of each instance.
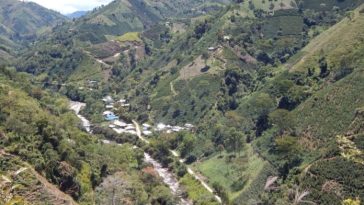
(259, 102)
(21, 23)
(38, 130)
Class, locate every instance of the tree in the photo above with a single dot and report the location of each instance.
(281, 119)
(205, 56)
(286, 144)
(351, 202)
(104, 170)
(261, 125)
(187, 144)
(220, 148)
(324, 71)
(221, 191)
(235, 140)
(8, 186)
(201, 29)
(298, 196)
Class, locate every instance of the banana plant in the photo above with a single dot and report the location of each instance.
(8, 186)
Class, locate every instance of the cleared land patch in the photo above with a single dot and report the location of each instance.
(234, 174)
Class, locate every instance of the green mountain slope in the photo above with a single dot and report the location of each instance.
(111, 39)
(25, 19)
(38, 131)
(265, 83)
(274, 89)
(21, 23)
(122, 16)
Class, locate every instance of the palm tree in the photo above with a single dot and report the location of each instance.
(270, 182)
(8, 186)
(299, 196)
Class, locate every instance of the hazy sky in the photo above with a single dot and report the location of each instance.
(70, 6)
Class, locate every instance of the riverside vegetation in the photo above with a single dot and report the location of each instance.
(274, 89)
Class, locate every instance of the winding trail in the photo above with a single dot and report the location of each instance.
(189, 170)
(96, 59)
(172, 88)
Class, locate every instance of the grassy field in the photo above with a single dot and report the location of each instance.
(235, 176)
(130, 36)
(198, 194)
(326, 5)
(266, 5)
(290, 24)
(89, 69)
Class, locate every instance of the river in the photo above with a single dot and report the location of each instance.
(77, 106)
(168, 178)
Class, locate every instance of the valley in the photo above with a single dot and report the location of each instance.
(203, 102)
(167, 176)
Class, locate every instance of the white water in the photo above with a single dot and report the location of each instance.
(77, 106)
(167, 177)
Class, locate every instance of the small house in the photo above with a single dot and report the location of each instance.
(130, 128)
(111, 117)
(147, 133)
(108, 99)
(122, 101)
(177, 129)
(107, 113)
(109, 106)
(119, 131)
(119, 123)
(161, 127)
(189, 126)
(227, 38)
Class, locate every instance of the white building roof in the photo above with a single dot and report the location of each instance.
(107, 113)
(161, 126)
(177, 128)
(147, 125)
(120, 123)
(130, 128)
(109, 106)
(147, 133)
(119, 131)
(106, 141)
(107, 99)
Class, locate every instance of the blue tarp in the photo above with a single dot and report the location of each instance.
(111, 117)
